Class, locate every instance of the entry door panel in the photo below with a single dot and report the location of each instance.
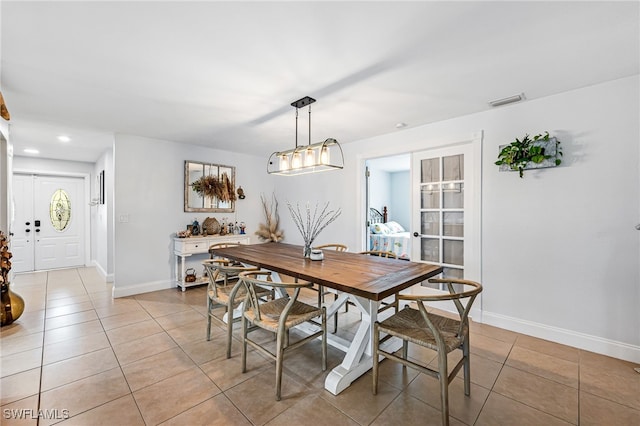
(49, 223)
(23, 239)
(59, 222)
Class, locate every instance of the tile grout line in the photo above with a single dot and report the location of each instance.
(44, 327)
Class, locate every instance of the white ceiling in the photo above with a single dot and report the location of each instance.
(223, 74)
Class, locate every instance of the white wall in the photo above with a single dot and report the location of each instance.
(560, 254)
(102, 218)
(149, 193)
(400, 184)
(379, 189)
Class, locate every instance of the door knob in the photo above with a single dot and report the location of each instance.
(638, 227)
(27, 223)
(38, 230)
(415, 234)
(27, 230)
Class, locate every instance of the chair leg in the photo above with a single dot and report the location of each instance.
(244, 344)
(466, 367)
(443, 377)
(229, 329)
(209, 319)
(376, 343)
(279, 355)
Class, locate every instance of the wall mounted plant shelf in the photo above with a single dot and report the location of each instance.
(538, 152)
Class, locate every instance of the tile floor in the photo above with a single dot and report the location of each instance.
(77, 357)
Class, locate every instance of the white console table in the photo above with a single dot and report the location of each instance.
(187, 247)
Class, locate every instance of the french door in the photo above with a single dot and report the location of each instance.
(446, 209)
(49, 222)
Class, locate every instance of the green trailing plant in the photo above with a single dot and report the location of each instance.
(518, 154)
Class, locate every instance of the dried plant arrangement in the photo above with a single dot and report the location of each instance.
(311, 225)
(214, 187)
(269, 231)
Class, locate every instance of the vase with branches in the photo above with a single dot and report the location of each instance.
(310, 225)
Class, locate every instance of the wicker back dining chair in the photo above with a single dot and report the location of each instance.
(442, 334)
(279, 316)
(320, 289)
(226, 290)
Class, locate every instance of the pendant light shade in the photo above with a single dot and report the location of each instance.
(312, 158)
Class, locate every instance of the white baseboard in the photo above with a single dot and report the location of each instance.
(576, 339)
(107, 277)
(142, 288)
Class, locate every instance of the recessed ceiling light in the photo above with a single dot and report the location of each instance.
(31, 151)
(509, 100)
(64, 138)
(401, 125)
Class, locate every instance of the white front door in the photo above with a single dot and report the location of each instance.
(23, 239)
(53, 236)
(446, 209)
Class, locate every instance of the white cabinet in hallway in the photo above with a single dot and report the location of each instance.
(184, 248)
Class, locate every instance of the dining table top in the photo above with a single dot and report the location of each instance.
(371, 277)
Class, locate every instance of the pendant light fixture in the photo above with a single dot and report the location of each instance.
(312, 158)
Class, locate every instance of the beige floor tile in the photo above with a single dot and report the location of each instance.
(358, 401)
(312, 410)
(623, 389)
(21, 361)
(216, 411)
(111, 307)
(598, 411)
(484, 372)
(553, 349)
(21, 413)
(162, 308)
(201, 351)
(185, 391)
(66, 292)
(395, 374)
(256, 397)
(19, 386)
(72, 332)
(178, 319)
(28, 323)
(543, 394)
(227, 372)
(611, 365)
(549, 367)
(155, 368)
(68, 309)
(197, 331)
(13, 344)
(493, 332)
(490, 348)
(74, 347)
(65, 320)
(76, 368)
(407, 410)
(121, 411)
(87, 393)
(131, 332)
(120, 320)
(56, 303)
(143, 348)
(462, 407)
(500, 410)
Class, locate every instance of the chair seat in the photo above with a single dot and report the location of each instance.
(270, 314)
(225, 290)
(409, 324)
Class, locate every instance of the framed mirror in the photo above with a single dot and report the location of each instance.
(209, 187)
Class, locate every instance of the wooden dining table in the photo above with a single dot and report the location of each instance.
(363, 280)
